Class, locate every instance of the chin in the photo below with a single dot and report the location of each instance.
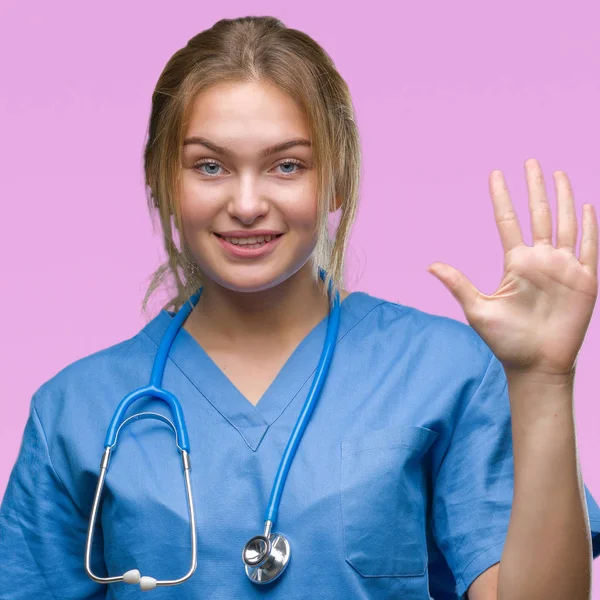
(247, 279)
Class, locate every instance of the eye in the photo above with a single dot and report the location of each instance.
(214, 165)
(198, 166)
(290, 161)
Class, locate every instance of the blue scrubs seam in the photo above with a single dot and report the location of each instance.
(457, 422)
(461, 577)
(36, 415)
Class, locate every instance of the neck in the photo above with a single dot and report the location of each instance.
(278, 315)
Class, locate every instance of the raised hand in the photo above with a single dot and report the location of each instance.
(537, 319)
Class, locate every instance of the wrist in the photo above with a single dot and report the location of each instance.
(537, 398)
(539, 378)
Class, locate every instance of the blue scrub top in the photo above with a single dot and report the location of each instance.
(401, 486)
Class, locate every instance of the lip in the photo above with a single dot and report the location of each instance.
(243, 252)
(248, 233)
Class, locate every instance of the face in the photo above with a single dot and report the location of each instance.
(233, 190)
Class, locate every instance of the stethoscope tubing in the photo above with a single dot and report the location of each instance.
(333, 322)
(155, 390)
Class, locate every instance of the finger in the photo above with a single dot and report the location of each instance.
(588, 247)
(541, 216)
(504, 213)
(566, 227)
(456, 283)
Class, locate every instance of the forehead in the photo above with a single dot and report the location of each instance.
(257, 110)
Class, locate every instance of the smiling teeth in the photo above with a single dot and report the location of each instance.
(250, 240)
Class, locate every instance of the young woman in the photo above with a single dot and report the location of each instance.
(425, 458)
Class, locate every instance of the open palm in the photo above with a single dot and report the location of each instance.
(537, 318)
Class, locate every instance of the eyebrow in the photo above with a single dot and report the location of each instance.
(263, 153)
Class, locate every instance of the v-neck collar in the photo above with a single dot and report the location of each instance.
(252, 422)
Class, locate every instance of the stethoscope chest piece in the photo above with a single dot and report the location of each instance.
(266, 557)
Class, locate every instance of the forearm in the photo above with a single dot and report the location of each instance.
(547, 554)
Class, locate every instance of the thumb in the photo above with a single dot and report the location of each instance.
(456, 282)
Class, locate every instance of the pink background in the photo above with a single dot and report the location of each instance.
(444, 94)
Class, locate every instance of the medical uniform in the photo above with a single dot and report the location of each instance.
(401, 487)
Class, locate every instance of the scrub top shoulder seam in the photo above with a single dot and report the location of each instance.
(360, 320)
(46, 445)
(458, 420)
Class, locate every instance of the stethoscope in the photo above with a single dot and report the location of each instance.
(265, 556)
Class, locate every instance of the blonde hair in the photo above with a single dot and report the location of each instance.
(242, 50)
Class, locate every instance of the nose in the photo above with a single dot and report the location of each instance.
(247, 204)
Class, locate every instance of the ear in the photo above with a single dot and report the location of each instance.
(337, 203)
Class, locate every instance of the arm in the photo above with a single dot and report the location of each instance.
(42, 530)
(548, 551)
(535, 324)
(549, 509)
(483, 485)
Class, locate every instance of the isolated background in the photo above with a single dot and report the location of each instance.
(444, 94)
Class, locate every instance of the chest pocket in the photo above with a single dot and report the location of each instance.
(383, 501)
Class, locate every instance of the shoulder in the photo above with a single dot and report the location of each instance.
(422, 369)
(87, 383)
(435, 337)
(436, 360)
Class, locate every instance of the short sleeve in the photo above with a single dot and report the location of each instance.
(473, 488)
(42, 531)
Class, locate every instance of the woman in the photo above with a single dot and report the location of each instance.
(402, 485)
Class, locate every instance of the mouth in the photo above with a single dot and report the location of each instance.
(250, 242)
